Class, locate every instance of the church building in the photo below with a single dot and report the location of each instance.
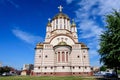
(61, 54)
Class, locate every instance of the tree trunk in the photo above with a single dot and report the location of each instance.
(116, 72)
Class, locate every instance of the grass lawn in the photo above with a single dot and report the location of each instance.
(45, 78)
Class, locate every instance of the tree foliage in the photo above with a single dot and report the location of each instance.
(110, 41)
(5, 69)
(103, 68)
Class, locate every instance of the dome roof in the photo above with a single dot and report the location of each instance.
(61, 15)
(62, 43)
(73, 23)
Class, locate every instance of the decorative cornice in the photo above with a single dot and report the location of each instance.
(62, 35)
(61, 29)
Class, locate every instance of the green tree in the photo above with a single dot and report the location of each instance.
(110, 42)
(1, 70)
(5, 69)
(103, 68)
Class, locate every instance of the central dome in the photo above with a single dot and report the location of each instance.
(60, 15)
(62, 43)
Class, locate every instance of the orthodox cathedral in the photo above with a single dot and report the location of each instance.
(61, 54)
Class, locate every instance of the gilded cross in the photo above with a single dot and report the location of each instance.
(60, 8)
(49, 19)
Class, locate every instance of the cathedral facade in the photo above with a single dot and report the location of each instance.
(61, 54)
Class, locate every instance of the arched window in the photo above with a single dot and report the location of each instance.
(39, 56)
(84, 56)
(45, 67)
(46, 56)
(66, 56)
(63, 67)
(39, 67)
(51, 67)
(73, 67)
(63, 57)
(58, 56)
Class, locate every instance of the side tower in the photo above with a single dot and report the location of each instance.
(61, 54)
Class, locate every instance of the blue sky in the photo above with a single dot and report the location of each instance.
(23, 24)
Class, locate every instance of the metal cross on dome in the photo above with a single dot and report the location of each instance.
(60, 8)
(73, 20)
(49, 19)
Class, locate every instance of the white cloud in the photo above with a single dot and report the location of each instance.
(89, 29)
(90, 17)
(96, 63)
(69, 1)
(93, 53)
(27, 37)
(99, 7)
(107, 6)
(91, 13)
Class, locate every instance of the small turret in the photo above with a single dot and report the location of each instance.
(49, 23)
(73, 23)
(73, 26)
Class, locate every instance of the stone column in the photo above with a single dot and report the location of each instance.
(55, 24)
(57, 56)
(66, 25)
(58, 24)
(62, 23)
